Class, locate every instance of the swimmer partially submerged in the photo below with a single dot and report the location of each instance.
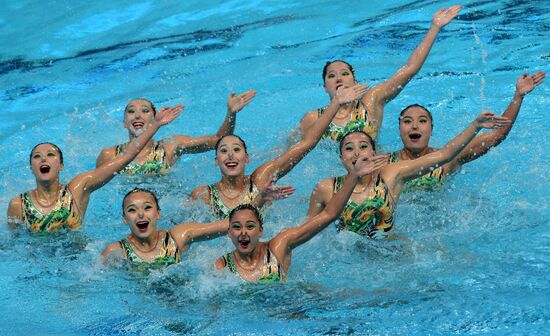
(256, 261)
(147, 245)
(157, 156)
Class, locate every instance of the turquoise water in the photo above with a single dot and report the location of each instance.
(477, 253)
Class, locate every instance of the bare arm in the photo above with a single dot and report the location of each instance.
(106, 155)
(187, 233)
(392, 87)
(319, 197)
(84, 184)
(113, 251)
(483, 143)
(185, 144)
(403, 171)
(293, 237)
(15, 212)
(280, 166)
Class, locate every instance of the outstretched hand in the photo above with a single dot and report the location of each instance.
(488, 119)
(526, 83)
(272, 192)
(345, 95)
(366, 165)
(166, 114)
(445, 15)
(235, 103)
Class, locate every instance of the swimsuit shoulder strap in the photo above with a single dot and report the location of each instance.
(229, 262)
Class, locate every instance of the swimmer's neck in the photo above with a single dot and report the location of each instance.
(146, 244)
(412, 154)
(235, 181)
(252, 258)
(48, 187)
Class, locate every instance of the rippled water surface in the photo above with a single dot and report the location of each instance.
(475, 256)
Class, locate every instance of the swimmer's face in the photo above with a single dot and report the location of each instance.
(353, 146)
(141, 214)
(137, 114)
(46, 162)
(338, 75)
(415, 128)
(231, 156)
(245, 231)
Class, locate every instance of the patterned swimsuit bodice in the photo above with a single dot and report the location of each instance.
(373, 217)
(431, 180)
(63, 214)
(359, 122)
(271, 268)
(154, 165)
(218, 207)
(168, 255)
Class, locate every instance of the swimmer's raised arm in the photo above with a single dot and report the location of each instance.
(388, 90)
(283, 243)
(186, 234)
(181, 144)
(484, 142)
(84, 184)
(280, 166)
(402, 171)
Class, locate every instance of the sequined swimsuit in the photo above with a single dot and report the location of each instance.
(169, 252)
(154, 165)
(359, 122)
(63, 214)
(271, 268)
(431, 180)
(373, 217)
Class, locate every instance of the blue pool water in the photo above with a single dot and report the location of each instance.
(477, 253)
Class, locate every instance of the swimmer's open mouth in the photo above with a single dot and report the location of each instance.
(338, 86)
(231, 164)
(415, 136)
(138, 124)
(44, 169)
(142, 226)
(244, 243)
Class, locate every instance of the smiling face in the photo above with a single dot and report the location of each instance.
(231, 156)
(137, 114)
(141, 214)
(353, 146)
(46, 162)
(415, 128)
(338, 74)
(245, 231)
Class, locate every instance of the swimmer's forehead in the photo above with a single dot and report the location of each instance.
(138, 103)
(416, 111)
(231, 140)
(139, 197)
(245, 215)
(337, 66)
(45, 148)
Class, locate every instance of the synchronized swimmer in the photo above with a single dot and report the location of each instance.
(364, 200)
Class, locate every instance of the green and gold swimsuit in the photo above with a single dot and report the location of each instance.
(271, 268)
(169, 252)
(63, 213)
(431, 180)
(373, 217)
(359, 122)
(154, 165)
(218, 207)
